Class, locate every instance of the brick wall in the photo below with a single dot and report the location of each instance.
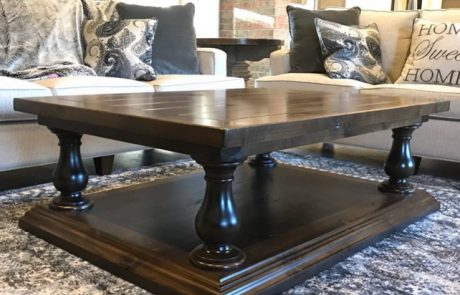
(255, 19)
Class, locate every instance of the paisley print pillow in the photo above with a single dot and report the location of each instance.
(351, 52)
(121, 48)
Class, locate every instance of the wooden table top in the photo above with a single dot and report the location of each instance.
(229, 118)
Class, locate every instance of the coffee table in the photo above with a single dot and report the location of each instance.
(294, 221)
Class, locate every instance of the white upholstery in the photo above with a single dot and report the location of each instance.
(25, 144)
(29, 144)
(213, 61)
(11, 88)
(395, 29)
(308, 81)
(280, 62)
(430, 140)
(195, 82)
(93, 85)
(422, 91)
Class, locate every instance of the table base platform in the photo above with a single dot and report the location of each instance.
(294, 222)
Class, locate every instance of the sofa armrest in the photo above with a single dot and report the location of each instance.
(213, 61)
(280, 62)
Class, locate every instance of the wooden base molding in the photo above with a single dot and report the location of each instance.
(294, 222)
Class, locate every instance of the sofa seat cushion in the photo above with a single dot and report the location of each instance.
(425, 91)
(308, 81)
(195, 82)
(11, 88)
(93, 85)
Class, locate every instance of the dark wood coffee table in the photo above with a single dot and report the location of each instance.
(294, 221)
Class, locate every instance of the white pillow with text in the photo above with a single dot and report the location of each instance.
(434, 56)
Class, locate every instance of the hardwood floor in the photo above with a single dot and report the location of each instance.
(42, 174)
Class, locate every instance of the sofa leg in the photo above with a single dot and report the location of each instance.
(103, 165)
(327, 148)
(417, 162)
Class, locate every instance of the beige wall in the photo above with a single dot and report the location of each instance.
(330, 3)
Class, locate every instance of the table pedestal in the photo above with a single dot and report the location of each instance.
(241, 50)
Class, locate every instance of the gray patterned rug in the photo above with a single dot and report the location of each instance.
(424, 258)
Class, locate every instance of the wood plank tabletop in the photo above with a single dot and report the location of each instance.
(225, 118)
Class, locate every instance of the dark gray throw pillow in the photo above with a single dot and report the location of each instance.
(174, 49)
(305, 51)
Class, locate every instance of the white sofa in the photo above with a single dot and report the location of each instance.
(438, 138)
(24, 143)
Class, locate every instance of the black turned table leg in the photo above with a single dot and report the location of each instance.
(400, 164)
(263, 160)
(217, 221)
(70, 176)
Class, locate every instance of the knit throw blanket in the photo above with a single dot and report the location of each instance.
(49, 72)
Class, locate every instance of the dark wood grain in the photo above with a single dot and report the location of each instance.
(256, 120)
(288, 231)
(400, 164)
(220, 129)
(70, 177)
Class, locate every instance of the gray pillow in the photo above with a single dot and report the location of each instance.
(36, 33)
(174, 49)
(350, 52)
(305, 52)
(121, 48)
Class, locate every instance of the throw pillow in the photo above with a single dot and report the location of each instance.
(174, 50)
(121, 48)
(434, 56)
(305, 52)
(37, 33)
(351, 53)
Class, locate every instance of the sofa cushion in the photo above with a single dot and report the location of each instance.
(121, 48)
(93, 85)
(350, 52)
(395, 29)
(434, 57)
(422, 91)
(441, 15)
(305, 50)
(174, 49)
(11, 88)
(308, 81)
(40, 33)
(195, 82)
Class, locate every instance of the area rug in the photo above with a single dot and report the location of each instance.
(424, 258)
